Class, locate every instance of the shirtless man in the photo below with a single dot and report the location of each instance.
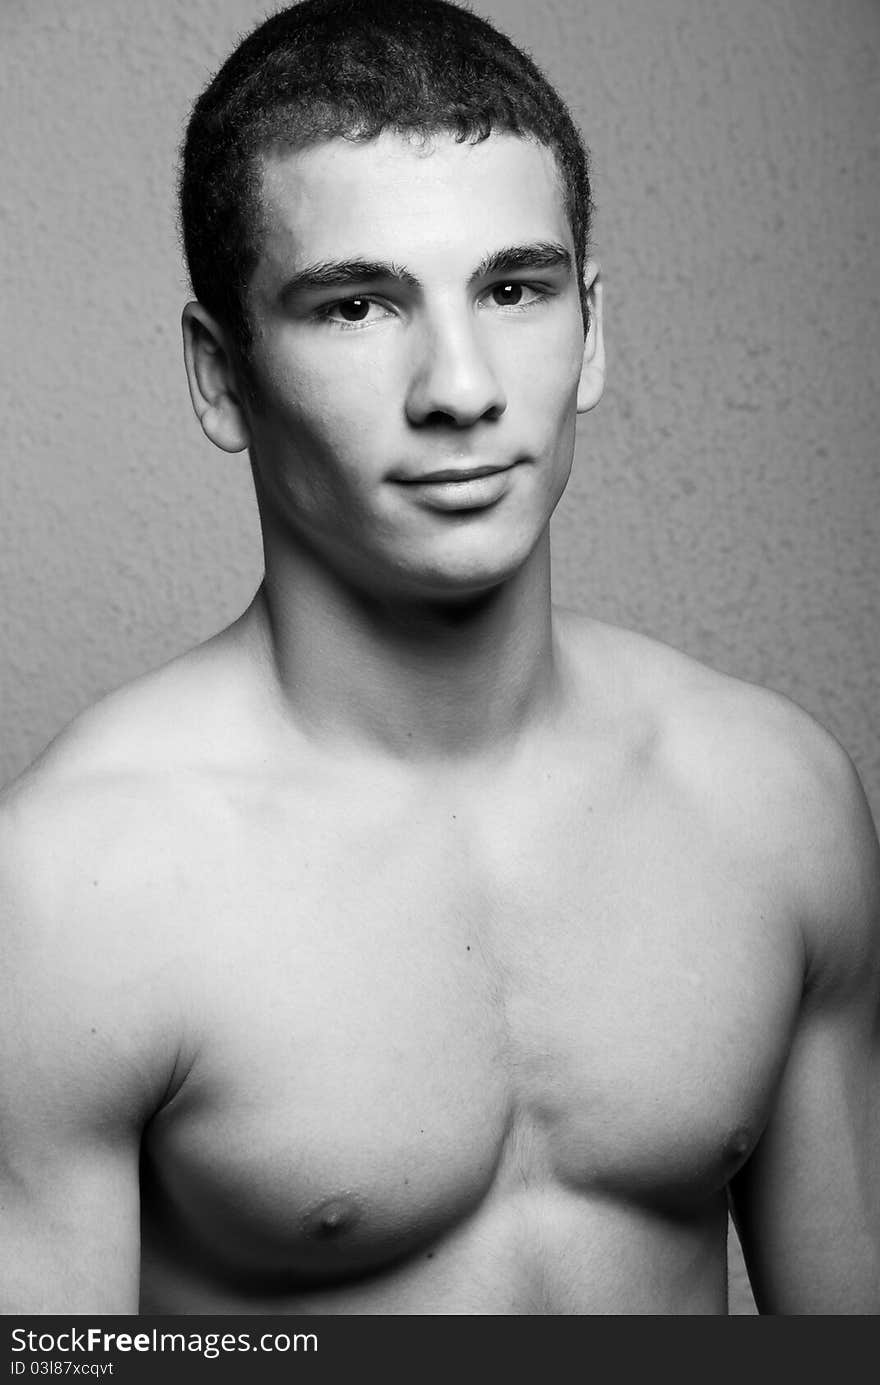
(413, 946)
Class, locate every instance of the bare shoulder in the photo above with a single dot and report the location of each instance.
(765, 776)
(128, 793)
(114, 770)
(95, 838)
(76, 1025)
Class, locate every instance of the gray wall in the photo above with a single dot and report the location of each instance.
(726, 493)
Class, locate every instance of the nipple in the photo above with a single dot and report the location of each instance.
(737, 1146)
(332, 1218)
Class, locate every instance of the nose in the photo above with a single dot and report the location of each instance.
(453, 379)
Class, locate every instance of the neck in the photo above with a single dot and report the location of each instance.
(410, 678)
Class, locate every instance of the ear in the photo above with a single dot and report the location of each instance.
(592, 380)
(212, 385)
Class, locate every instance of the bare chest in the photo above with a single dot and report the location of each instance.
(395, 1020)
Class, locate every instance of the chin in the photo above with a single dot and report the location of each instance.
(461, 577)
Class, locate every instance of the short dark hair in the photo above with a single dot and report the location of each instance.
(328, 68)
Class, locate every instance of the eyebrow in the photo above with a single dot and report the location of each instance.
(342, 274)
(513, 258)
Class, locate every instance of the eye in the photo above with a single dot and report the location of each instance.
(353, 312)
(353, 309)
(514, 295)
(507, 295)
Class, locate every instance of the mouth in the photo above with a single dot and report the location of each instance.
(459, 488)
(452, 475)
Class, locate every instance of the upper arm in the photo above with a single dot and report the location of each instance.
(72, 1094)
(68, 1213)
(807, 1203)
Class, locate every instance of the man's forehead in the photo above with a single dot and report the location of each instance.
(399, 195)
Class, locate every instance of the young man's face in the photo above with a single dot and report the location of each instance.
(418, 349)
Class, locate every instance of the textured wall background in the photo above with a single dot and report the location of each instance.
(726, 494)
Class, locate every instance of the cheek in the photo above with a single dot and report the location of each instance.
(544, 364)
(315, 435)
(545, 401)
(330, 407)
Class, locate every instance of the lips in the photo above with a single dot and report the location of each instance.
(456, 489)
(454, 475)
